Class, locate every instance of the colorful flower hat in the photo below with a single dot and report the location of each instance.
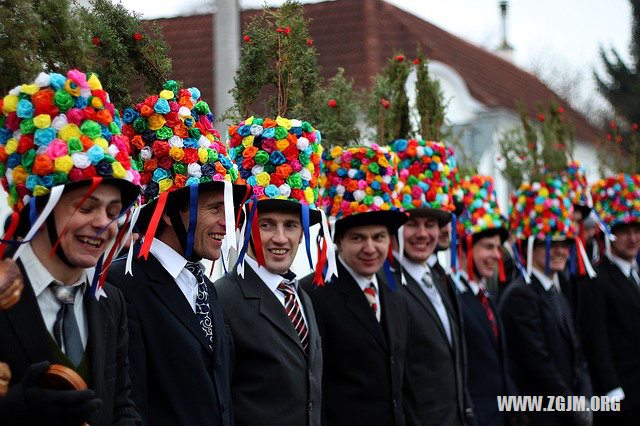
(454, 183)
(62, 131)
(576, 177)
(482, 213)
(424, 178)
(359, 186)
(177, 150)
(616, 199)
(280, 160)
(541, 210)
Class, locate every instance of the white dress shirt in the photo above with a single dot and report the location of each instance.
(272, 281)
(629, 269)
(174, 263)
(419, 271)
(365, 283)
(474, 285)
(49, 305)
(547, 282)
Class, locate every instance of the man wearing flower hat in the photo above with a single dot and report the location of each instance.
(362, 321)
(543, 347)
(436, 359)
(65, 210)
(482, 233)
(609, 317)
(178, 348)
(276, 350)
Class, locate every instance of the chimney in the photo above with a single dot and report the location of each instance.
(505, 50)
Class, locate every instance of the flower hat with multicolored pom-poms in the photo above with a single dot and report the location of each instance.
(424, 178)
(280, 159)
(177, 149)
(578, 187)
(541, 210)
(361, 181)
(482, 212)
(616, 199)
(60, 130)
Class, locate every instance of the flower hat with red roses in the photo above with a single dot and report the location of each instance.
(57, 133)
(179, 152)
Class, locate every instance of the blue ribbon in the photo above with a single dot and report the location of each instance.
(226, 273)
(96, 277)
(572, 259)
(114, 219)
(305, 228)
(193, 219)
(547, 253)
(389, 275)
(32, 212)
(518, 263)
(454, 241)
(247, 235)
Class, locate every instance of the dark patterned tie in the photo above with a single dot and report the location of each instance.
(484, 300)
(202, 302)
(295, 313)
(557, 303)
(65, 328)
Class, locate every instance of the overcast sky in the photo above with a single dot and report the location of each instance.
(551, 35)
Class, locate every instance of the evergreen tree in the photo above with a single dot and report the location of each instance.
(430, 103)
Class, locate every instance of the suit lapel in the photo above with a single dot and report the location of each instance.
(314, 334)
(28, 324)
(389, 313)
(356, 302)
(269, 306)
(97, 327)
(478, 312)
(621, 280)
(564, 327)
(165, 287)
(417, 293)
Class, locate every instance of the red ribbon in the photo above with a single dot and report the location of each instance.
(153, 226)
(95, 181)
(582, 237)
(470, 256)
(390, 253)
(501, 274)
(244, 200)
(15, 218)
(317, 278)
(519, 244)
(113, 251)
(257, 241)
(581, 266)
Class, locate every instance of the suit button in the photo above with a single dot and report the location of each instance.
(395, 403)
(310, 373)
(224, 407)
(392, 360)
(311, 406)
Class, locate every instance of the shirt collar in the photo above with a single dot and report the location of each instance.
(269, 278)
(432, 260)
(39, 276)
(170, 259)
(474, 285)
(546, 282)
(415, 270)
(360, 280)
(624, 266)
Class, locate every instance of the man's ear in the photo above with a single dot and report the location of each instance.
(165, 218)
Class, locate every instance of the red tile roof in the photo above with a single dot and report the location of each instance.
(360, 35)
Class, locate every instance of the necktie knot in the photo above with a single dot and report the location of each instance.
(195, 269)
(427, 279)
(286, 288)
(66, 295)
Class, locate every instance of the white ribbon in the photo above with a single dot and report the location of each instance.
(240, 267)
(585, 259)
(403, 279)
(54, 196)
(134, 219)
(332, 268)
(530, 242)
(229, 219)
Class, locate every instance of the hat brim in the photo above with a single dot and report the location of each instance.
(277, 205)
(502, 232)
(585, 210)
(443, 216)
(392, 219)
(460, 207)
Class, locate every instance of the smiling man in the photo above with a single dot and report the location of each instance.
(275, 344)
(178, 348)
(542, 344)
(362, 321)
(482, 232)
(58, 320)
(609, 316)
(436, 360)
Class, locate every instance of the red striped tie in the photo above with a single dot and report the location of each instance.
(295, 314)
(484, 300)
(370, 293)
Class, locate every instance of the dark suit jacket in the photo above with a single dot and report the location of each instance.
(435, 368)
(25, 341)
(273, 381)
(544, 353)
(177, 380)
(609, 320)
(487, 366)
(364, 361)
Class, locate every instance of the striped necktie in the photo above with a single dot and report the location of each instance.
(370, 294)
(295, 313)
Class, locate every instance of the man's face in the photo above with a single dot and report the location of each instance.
(558, 255)
(81, 243)
(281, 234)
(627, 243)
(420, 237)
(486, 255)
(444, 240)
(210, 226)
(364, 248)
